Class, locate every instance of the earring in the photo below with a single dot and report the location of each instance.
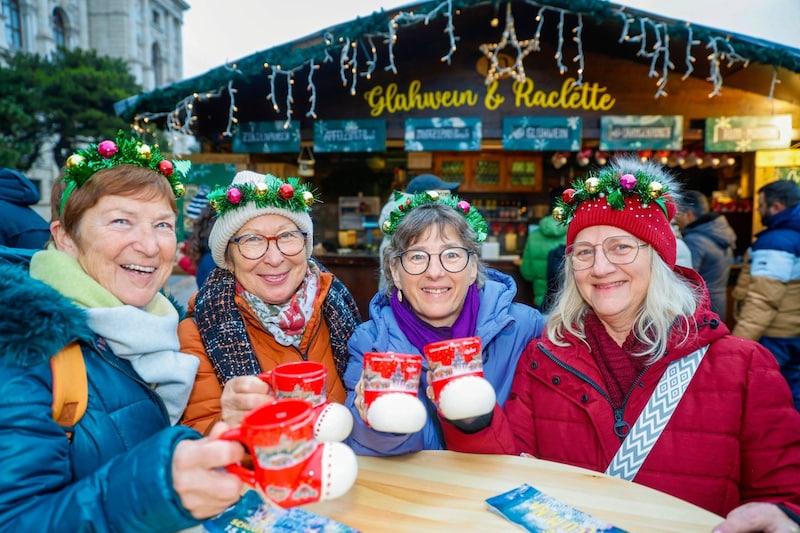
(399, 295)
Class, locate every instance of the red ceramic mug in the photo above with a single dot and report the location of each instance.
(391, 386)
(307, 380)
(289, 466)
(459, 388)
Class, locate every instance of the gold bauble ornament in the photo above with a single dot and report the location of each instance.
(144, 151)
(558, 213)
(308, 198)
(179, 190)
(655, 188)
(261, 189)
(74, 160)
(592, 184)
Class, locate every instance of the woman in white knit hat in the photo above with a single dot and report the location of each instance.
(267, 302)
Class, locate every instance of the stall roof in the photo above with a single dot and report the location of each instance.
(720, 52)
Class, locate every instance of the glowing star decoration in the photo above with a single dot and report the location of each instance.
(492, 52)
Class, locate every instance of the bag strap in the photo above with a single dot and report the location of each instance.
(654, 417)
(70, 386)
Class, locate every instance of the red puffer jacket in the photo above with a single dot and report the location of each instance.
(734, 437)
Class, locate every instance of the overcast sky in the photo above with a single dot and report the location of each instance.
(216, 32)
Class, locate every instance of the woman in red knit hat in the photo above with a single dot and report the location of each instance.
(636, 377)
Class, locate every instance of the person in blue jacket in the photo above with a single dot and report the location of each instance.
(436, 289)
(123, 466)
(20, 226)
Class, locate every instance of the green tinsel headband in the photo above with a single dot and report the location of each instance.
(608, 183)
(272, 192)
(125, 150)
(472, 215)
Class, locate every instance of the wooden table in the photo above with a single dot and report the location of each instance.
(446, 491)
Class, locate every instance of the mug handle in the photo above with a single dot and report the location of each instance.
(266, 377)
(245, 474)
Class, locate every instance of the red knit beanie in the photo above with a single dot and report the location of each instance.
(627, 194)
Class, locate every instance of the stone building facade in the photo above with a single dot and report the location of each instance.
(146, 34)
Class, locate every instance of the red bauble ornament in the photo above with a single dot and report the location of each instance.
(286, 191)
(165, 167)
(567, 195)
(234, 195)
(107, 149)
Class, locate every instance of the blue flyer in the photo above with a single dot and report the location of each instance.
(253, 515)
(538, 512)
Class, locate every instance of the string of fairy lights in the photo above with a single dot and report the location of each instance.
(652, 36)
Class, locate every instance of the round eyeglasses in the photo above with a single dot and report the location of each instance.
(453, 260)
(619, 250)
(254, 246)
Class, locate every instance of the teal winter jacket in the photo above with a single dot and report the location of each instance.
(116, 474)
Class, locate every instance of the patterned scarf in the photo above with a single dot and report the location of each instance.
(287, 322)
(421, 333)
(225, 336)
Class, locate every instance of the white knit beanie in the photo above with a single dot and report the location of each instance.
(231, 220)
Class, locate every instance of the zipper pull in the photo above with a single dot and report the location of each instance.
(621, 428)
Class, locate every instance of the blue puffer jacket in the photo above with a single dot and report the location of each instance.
(504, 326)
(117, 474)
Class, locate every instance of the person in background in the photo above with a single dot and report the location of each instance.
(638, 378)
(126, 466)
(766, 299)
(683, 253)
(436, 289)
(197, 250)
(711, 240)
(267, 303)
(20, 225)
(548, 235)
(421, 183)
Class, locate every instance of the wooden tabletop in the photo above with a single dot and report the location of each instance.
(446, 491)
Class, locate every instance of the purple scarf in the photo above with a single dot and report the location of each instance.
(421, 333)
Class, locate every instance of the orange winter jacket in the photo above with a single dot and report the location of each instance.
(204, 408)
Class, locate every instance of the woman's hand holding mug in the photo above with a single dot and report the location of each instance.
(241, 395)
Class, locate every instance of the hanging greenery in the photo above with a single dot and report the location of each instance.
(283, 65)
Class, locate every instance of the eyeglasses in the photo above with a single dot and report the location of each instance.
(619, 250)
(254, 246)
(454, 260)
